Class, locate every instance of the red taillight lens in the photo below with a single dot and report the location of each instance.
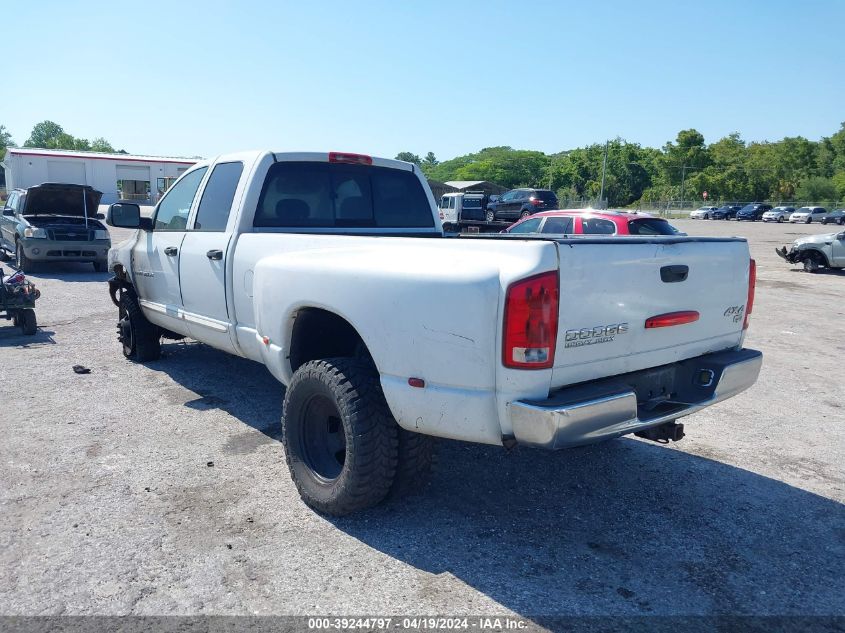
(537, 202)
(530, 325)
(752, 285)
(352, 159)
(672, 318)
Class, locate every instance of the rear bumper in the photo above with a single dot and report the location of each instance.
(616, 406)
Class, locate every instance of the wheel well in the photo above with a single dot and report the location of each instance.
(816, 254)
(318, 333)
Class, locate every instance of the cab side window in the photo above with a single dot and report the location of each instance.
(217, 197)
(173, 210)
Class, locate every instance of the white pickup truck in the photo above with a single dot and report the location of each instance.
(332, 270)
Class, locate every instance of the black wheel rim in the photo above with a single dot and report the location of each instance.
(322, 438)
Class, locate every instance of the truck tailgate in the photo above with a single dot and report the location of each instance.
(610, 287)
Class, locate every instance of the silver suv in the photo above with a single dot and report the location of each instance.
(54, 222)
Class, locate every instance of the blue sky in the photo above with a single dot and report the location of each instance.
(203, 78)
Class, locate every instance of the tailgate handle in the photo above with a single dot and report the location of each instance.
(672, 274)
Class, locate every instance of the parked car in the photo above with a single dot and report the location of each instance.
(54, 222)
(333, 271)
(778, 214)
(588, 222)
(815, 252)
(703, 213)
(520, 203)
(752, 212)
(808, 214)
(837, 216)
(726, 212)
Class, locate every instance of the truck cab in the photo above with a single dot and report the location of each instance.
(457, 209)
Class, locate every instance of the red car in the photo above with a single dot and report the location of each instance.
(589, 222)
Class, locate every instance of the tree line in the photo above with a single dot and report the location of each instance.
(50, 135)
(730, 169)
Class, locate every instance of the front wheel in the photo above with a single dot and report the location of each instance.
(841, 220)
(27, 322)
(809, 220)
(780, 220)
(22, 262)
(341, 442)
(140, 339)
(524, 215)
(812, 263)
(706, 216)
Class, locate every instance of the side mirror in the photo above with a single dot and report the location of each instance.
(841, 236)
(494, 198)
(8, 211)
(125, 215)
(100, 216)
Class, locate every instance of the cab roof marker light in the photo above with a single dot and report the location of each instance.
(350, 159)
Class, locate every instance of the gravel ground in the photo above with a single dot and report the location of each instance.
(162, 489)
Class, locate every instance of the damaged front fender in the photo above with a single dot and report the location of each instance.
(792, 255)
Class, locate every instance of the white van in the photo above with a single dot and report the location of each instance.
(458, 208)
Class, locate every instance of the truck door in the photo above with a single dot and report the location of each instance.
(155, 256)
(205, 253)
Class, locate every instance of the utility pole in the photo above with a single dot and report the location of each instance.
(683, 177)
(603, 170)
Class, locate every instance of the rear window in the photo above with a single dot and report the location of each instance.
(472, 203)
(545, 196)
(650, 226)
(326, 195)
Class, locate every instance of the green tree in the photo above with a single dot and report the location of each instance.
(816, 189)
(430, 159)
(409, 157)
(683, 157)
(5, 141)
(45, 134)
(839, 183)
(100, 144)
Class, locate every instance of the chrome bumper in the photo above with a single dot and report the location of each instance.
(632, 402)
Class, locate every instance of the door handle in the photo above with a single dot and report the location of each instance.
(171, 251)
(215, 254)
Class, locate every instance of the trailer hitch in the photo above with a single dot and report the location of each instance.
(669, 431)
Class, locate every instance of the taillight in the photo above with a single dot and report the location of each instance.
(537, 202)
(672, 318)
(530, 324)
(752, 284)
(352, 159)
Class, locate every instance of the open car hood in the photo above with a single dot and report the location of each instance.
(62, 199)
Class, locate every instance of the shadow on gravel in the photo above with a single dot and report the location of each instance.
(242, 388)
(70, 272)
(625, 528)
(620, 528)
(11, 336)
